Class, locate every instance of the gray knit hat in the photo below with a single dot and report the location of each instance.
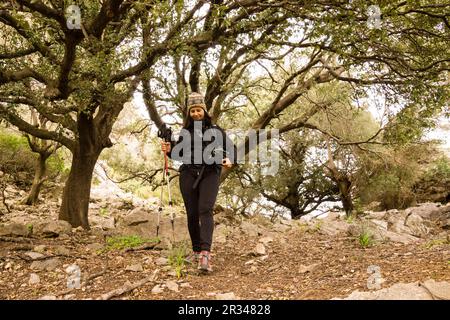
(195, 99)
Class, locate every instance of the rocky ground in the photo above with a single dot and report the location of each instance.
(394, 254)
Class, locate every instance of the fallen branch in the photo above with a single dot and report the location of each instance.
(22, 248)
(143, 247)
(128, 287)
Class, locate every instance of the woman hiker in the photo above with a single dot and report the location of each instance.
(204, 148)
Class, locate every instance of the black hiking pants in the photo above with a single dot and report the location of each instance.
(199, 203)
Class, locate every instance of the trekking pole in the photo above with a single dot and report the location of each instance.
(160, 205)
(167, 177)
(166, 134)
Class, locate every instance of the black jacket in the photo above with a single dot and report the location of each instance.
(211, 144)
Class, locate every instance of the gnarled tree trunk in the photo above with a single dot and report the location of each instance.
(39, 178)
(76, 194)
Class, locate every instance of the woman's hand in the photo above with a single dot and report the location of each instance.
(226, 163)
(165, 146)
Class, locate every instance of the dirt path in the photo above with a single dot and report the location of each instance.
(297, 265)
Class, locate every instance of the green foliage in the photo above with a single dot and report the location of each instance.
(357, 208)
(365, 238)
(436, 242)
(124, 242)
(104, 212)
(388, 176)
(56, 163)
(439, 169)
(16, 156)
(177, 258)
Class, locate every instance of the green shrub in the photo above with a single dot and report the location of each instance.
(439, 169)
(124, 242)
(365, 239)
(177, 258)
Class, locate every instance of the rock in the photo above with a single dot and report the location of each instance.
(105, 223)
(61, 250)
(439, 290)
(416, 225)
(377, 215)
(281, 228)
(332, 228)
(226, 296)
(14, 230)
(48, 297)
(441, 216)
(79, 229)
(136, 226)
(379, 224)
(446, 224)
(161, 261)
(220, 234)
(172, 286)
(52, 228)
(253, 269)
(48, 265)
(135, 267)
(94, 247)
(34, 255)
(136, 217)
(185, 285)
(310, 268)
(424, 210)
(260, 249)
(157, 289)
(40, 248)
(249, 228)
(401, 238)
(396, 221)
(34, 279)
(172, 273)
(266, 240)
(405, 291)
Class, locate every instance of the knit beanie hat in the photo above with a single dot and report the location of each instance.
(195, 99)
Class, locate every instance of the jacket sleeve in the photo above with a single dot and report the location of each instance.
(172, 145)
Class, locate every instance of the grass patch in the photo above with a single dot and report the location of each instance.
(104, 212)
(125, 242)
(317, 226)
(436, 242)
(177, 258)
(365, 239)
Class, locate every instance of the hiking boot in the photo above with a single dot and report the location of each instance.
(204, 263)
(193, 257)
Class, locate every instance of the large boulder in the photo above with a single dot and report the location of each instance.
(144, 223)
(51, 229)
(15, 230)
(332, 227)
(428, 290)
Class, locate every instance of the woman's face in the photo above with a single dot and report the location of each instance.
(197, 113)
